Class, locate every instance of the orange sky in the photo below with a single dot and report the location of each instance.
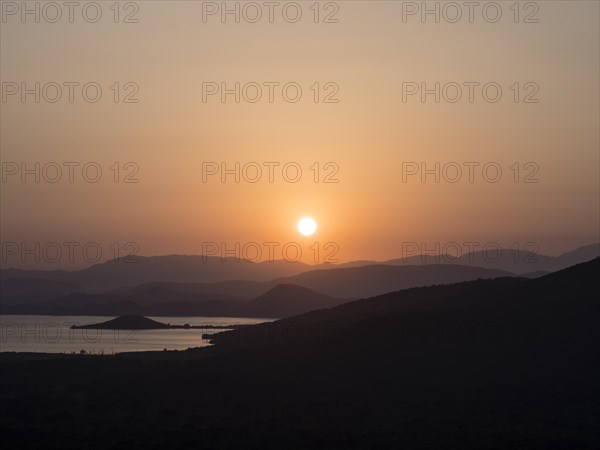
(369, 134)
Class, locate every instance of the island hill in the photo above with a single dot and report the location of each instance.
(135, 322)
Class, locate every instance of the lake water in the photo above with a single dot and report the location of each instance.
(53, 334)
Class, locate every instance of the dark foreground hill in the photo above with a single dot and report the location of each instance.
(559, 296)
(488, 364)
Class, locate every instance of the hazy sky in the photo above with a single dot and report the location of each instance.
(364, 61)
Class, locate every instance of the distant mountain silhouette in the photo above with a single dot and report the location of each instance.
(367, 281)
(174, 268)
(28, 290)
(320, 289)
(516, 261)
(236, 289)
(347, 282)
(286, 300)
(171, 304)
(253, 279)
(157, 293)
(579, 255)
(280, 301)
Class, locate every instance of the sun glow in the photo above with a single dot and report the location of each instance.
(307, 226)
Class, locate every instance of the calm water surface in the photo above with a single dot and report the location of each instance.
(53, 334)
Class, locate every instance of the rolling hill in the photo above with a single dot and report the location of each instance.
(245, 279)
(494, 364)
(312, 290)
(174, 268)
(517, 261)
(559, 305)
(286, 300)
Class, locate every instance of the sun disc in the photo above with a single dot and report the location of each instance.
(307, 226)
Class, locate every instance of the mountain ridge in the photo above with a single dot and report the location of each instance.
(209, 269)
(324, 288)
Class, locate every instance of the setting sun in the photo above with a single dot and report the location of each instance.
(307, 226)
(299, 224)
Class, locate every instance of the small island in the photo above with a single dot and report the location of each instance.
(135, 322)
